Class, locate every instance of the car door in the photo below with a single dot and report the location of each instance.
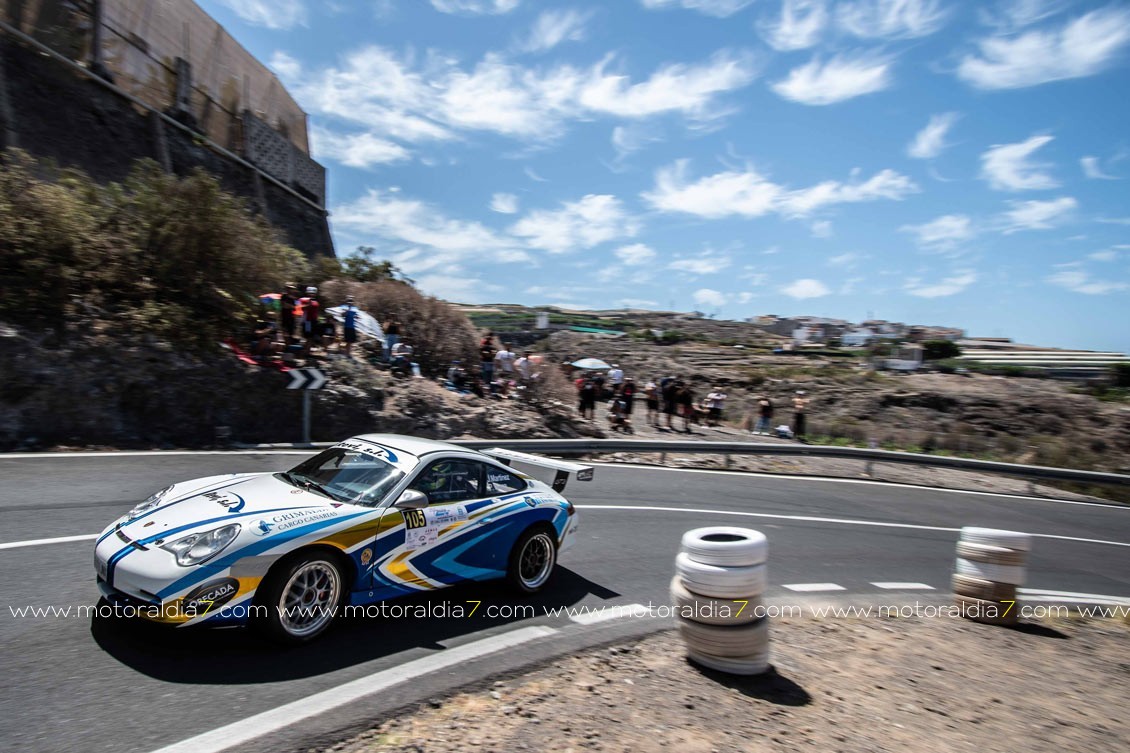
(452, 485)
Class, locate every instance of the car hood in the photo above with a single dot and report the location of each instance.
(213, 501)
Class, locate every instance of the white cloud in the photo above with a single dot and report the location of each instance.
(677, 87)
(799, 26)
(387, 215)
(1007, 166)
(529, 171)
(891, 19)
(931, 140)
(638, 303)
(553, 27)
(749, 194)
(704, 263)
(708, 297)
(847, 259)
(635, 255)
(1093, 170)
(504, 203)
(363, 150)
(285, 65)
(433, 97)
(1037, 215)
(716, 8)
(585, 223)
(1083, 46)
(627, 139)
(839, 79)
(274, 14)
(459, 288)
(1012, 15)
(1079, 281)
(1106, 255)
(944, 232)
(822, 229)
(947, 286)
(806, 288)
(476, 7)
(745, 297)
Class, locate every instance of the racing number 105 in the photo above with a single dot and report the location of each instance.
(414, 519)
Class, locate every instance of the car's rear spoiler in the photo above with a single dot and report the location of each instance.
(563, 467)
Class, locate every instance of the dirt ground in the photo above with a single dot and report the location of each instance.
(853, 685)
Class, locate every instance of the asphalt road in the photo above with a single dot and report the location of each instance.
(70, 683)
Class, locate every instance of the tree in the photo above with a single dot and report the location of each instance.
(362, 267)
(936, 350)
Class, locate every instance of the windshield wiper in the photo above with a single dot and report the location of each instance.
(311, 485)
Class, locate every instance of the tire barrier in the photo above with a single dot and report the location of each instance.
(990, 565)
(720, 578)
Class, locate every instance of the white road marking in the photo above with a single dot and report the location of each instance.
(238, 733)
(1040, 594)
(40, 542)
(838, 521)
(899, 586)
(835, 480)
(806, 587)
(608, 612)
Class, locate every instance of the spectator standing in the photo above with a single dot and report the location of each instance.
(800, 408)
(524, 368)
(615, 378)
(391, 328)
(669, 392)
(311, 313)
(598, 380)
(651, 397)
(587, 395)
(684, 397)
(287, 303)
(349, 325)
(505, 362)
(764, 415)
(486, 358)
(715, 403)
(402, 355)
(628, 395)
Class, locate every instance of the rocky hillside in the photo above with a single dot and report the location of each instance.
(1020, 419)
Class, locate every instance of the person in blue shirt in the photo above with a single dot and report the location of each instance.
(349, 325)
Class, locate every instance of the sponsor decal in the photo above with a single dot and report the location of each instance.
(423, 525)
(585, 475)
(209, 596)
(366, 556)
(285, 521)
(233, 502)
(530, 501)
(498, 478)
(369, 449)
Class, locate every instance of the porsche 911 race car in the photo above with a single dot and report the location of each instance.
(372, 518)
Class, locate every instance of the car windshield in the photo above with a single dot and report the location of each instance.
(348, 475)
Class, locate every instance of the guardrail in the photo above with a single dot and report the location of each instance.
(663, 448)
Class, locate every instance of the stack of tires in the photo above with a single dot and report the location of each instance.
(718, 598)
(990, 565)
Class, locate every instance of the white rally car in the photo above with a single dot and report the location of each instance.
(372, 518)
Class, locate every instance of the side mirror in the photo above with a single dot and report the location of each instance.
(411, 500)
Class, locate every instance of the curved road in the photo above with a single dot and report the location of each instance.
(72, 682)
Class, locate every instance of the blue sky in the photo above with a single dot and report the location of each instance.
(927, 161)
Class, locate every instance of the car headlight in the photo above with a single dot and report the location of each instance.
(149, 504)
(196, 548)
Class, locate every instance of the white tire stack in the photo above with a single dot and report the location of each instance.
(717, 591)
(990, 565)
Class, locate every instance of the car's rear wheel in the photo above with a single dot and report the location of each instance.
(533, 559)
(302, 597)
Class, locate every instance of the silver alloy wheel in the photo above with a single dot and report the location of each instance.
(309, 599)
(535, 562)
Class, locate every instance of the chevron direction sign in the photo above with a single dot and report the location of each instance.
(306, 379)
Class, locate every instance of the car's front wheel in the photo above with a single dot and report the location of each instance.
(301, 598)
(532, 560)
